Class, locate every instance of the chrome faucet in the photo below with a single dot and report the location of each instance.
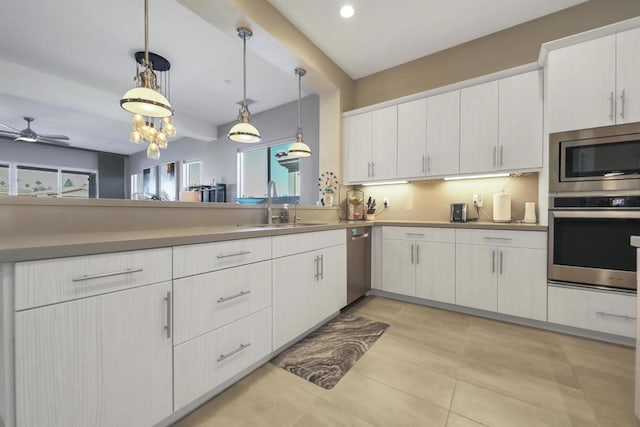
(271, 185)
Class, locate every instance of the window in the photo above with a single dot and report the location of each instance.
(256, 167)
(4, 180)
(191, 174)
(76, 185)
(168, 182)
(35, 181)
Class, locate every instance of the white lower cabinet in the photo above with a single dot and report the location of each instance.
(419, 262)
(307, 287)
(502, 271)
(596, 310)
(208, 360)
(100, 361)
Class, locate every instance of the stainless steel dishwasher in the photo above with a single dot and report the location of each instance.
(358, 262)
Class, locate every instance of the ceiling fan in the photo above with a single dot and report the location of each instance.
(29, 135)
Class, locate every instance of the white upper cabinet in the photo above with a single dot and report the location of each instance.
(627, 76)
(479, 128)
(501, 125)
(357, 147)
(412, 139)
(595, 83)
(520, 121)
(443, 134)
(371, 145)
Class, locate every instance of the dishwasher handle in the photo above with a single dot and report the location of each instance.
(360, 236)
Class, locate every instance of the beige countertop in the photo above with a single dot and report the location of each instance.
(43, 246)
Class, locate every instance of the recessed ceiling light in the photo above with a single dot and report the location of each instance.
(346, 11)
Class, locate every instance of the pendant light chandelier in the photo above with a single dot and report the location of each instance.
(147, 102)
(244, 131)
(299, 148)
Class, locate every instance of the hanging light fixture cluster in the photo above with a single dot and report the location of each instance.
(146, 101)
(244, 131)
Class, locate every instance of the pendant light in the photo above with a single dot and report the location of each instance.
(145, 99)
(299, 148)
(244, 131)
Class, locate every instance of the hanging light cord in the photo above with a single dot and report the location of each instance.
(244, 71)
(146, 33)
(299, 101)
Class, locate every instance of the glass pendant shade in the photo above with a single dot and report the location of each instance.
(161, 140)
(169, 129)
(244, 132)
(138, 122)
(147, 102)
(135, 137)
(153, 151)
(299, 148)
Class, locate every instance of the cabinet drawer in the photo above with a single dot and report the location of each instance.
(608, 312)
(520, 239)
(207, 301)
(430, 234)
(202, 258)
(55, 280)
(208, 360)
(305, 242)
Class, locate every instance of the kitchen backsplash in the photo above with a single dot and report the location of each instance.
(430, 200)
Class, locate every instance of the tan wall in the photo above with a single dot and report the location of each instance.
(499, 51)
(430, 200)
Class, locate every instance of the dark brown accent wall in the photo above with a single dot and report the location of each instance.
(498, 51)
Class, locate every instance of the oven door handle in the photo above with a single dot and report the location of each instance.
(623, 214)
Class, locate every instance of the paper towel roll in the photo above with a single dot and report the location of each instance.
(501, 207)
(529, 213)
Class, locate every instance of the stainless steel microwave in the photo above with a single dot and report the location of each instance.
(599, 159)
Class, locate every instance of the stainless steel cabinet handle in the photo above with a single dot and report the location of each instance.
(428, 163)
(506, 239)
(417, 253)
(373, 169)
(322, 267)
(500, 262)
(360, 236)
(620, 316)
(414, 234)
(240, 294)
(494, 156)
(622, 105)
(100, 276)
(368, 169)
(610, 105)
(423, 164)
(231, 353)
(493, 261)
(167, 327)
(412, 253)
(234, 254)
(501, 159)
(317, 262)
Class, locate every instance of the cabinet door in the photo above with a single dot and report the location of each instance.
(443, 134)
(293, 277)
(520, 117)
(398, 267)
(99, 361)
(412, 139)
(479, 128)
(627, 71)
(357, 147)
(476, 270)
(331, 289)
(384, 143)
(581, 85)
(436, 271)
(522, 282)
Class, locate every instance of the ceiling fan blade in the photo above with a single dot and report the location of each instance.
(53, 142)
(8, 133)
(52, 136)
(9, 127)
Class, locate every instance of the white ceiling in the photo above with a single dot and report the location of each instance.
(385, 33)
(68, 62)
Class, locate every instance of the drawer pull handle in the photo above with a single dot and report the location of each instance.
(231, 353)
(242, 293)
(414, 234)
(620, 316)
(506, 239)
(234, 254)
(168, 326)
(100, 276)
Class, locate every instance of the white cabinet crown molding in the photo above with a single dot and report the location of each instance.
(585, 36)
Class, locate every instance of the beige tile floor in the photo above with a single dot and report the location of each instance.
(437, 368)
